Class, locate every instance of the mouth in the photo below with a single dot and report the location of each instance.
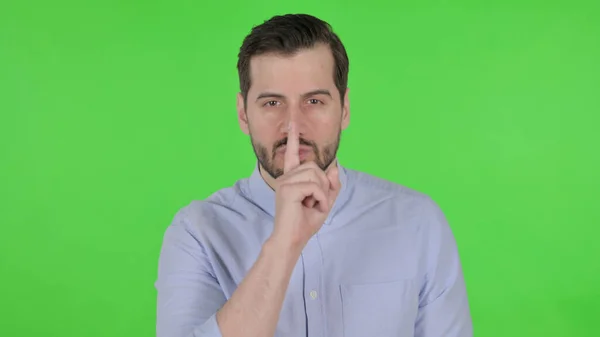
(303, 151)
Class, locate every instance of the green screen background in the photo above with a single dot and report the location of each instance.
(115, 114)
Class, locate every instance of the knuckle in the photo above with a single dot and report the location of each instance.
(315, 175)
(314, 169)
(316, 188)
(315, 184)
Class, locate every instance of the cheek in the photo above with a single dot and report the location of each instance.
(263, 132)
(263, 128)
(325, 125)
(265, 120)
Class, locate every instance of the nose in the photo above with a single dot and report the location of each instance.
(296, 116)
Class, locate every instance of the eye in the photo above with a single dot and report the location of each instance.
(314, 101)
(271, 103)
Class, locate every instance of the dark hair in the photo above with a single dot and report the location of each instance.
(286, 35)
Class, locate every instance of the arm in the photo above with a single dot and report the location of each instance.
(190, 300)
(188, 291)
(443, 304)
(191, 303)
(254, 308)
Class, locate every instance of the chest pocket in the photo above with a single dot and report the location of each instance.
(379, 309)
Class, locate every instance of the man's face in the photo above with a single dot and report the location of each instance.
(298, 89)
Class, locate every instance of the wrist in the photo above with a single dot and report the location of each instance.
(283, 248)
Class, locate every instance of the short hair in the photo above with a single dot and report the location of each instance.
(287, 35)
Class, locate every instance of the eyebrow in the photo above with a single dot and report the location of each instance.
(310, 93)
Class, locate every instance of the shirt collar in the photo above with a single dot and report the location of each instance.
(263, 196)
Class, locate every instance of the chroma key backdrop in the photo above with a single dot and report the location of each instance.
(115, 114)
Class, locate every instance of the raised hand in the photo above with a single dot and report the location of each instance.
(304, 195)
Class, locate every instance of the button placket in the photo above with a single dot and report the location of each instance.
(312, 286)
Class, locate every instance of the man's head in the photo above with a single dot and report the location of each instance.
(293, 68)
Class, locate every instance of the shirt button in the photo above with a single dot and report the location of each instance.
(313, 294)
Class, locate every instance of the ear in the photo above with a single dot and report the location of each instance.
(241, 114)
(346, 110)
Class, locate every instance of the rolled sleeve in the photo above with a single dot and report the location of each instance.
(188, 293)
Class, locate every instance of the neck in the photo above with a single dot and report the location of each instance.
(266, 177)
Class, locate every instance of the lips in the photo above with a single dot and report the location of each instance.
(304, 153)
(301, 149)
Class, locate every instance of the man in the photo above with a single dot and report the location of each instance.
(304, 246)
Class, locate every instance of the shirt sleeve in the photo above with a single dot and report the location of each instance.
(443, 305)
(188, 294)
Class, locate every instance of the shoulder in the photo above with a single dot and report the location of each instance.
(366, 185)
(202, 217)
(407, 205)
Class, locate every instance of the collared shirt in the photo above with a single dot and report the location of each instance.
(384, 264)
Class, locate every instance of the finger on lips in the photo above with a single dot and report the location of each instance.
(291, 159)
(327, 180)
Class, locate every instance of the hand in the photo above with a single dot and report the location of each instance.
(304, 195)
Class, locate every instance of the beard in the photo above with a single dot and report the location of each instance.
(324, 155)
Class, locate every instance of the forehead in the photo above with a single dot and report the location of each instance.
(303, 71)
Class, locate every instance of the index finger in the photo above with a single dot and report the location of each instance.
(291, 159)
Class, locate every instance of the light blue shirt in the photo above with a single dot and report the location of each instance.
(384, 264)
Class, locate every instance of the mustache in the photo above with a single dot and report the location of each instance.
(301, 141)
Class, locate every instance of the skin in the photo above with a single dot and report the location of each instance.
(303, 174)
(298, 89)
